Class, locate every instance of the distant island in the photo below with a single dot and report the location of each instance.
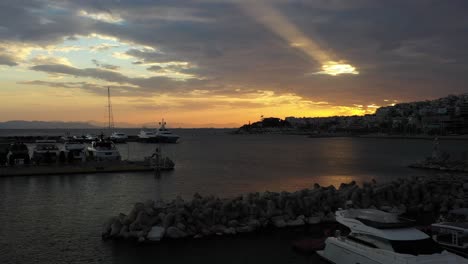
(443, 116)
(22, 124)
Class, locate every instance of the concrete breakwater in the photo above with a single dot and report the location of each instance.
(209, 215)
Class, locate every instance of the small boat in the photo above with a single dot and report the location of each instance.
(46, 151)
(146, 135)
(452, 232)
(102, 150)
(17, 154)
(90, 137)
(118, 137)
(164, 135)
(74, 151)
(159, 162)
(378, 237)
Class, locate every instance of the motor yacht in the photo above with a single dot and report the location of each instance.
(102, 149)
(74, 151)
(17, 154)
(118, 137)
(378, 237)
(90, 138)
(452, 232)
(164, 135)
(146, 135)
(46, 151)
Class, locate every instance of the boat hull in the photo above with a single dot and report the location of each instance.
(164, 139)
(338, 251)
(148, 140)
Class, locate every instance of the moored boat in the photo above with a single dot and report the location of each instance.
(378, 237)
(45, 151)
(146, 135)
(452, 232)
(103, 149)
(164, 135)
(17, 154)
(118, 137)
(74, 151)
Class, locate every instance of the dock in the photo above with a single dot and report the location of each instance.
(79, 168)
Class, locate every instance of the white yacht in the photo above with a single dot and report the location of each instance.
(378, 237)
(46, 151)
(90, 137)
(118, 137)
(146, 135)
(103, 150)
(165, 135)
(74, 150)
(452, 232)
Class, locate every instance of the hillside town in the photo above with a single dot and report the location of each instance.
(444, 116)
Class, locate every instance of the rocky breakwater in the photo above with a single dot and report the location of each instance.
(443, 163)
(207, 216)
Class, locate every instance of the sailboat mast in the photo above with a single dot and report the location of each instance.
(110, 124)
(108, 109)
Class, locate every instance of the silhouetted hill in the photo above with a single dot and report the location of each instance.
(21, 124)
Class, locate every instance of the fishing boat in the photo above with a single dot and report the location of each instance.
(378, 237)
(159, 162)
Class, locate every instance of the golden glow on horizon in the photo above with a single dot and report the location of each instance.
(267, 15)
(192, 110)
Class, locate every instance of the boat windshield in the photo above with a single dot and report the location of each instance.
(416, 247)
(103, 145)
(18, 147)
(46, 147)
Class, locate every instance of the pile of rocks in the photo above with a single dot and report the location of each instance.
(205, 216)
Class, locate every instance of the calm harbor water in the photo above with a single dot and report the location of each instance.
(58, 219)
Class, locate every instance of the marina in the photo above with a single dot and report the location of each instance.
(101, 195)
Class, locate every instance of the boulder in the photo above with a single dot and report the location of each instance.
(174, 232)
(168, 220)
(233, 223)
(297, 222)
(313, 220)
(245, 229)
(278, 221)
(229, 231)
(115, 228)
(156, 233)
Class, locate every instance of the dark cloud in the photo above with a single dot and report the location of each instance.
(7, 60)
(104, 65)
(403, 49)
(139, 86)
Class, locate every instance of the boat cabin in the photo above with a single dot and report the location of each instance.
(453, 231)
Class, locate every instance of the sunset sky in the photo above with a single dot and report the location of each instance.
(225, 62)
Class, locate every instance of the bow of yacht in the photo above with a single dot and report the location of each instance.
(378, 237)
